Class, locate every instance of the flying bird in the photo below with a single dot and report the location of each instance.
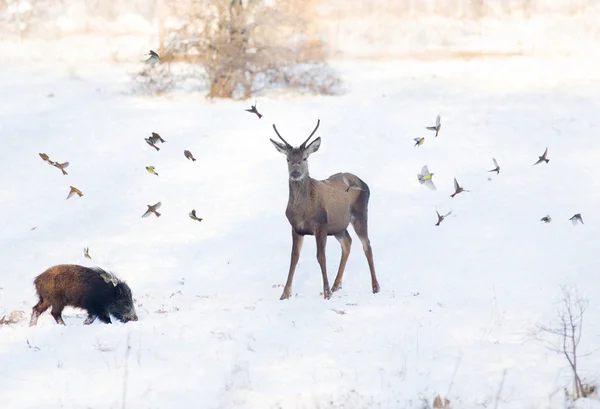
(437, 126)
(150, 169)
(426, 178)
(61, 166)
(546, 219)
(189, 155)
(419, 141)
(542, 158)
(497, 168)
(73, 191)
(153, 59)
(576, 219)
(253, 110)
(352, 184)
(46, 159)
(86, 252)
(156, 137)
(440, 217)
(150, 142)
(457, 189)
(193, 216)
(152, 209)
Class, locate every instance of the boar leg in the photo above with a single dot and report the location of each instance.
(90, 318)
(38, 310)
(56, 313)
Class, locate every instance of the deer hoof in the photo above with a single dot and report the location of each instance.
(286, 294)
(326, 293)
(336, 287)
(375, 288)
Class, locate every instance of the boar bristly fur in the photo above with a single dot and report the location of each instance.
(92, 289)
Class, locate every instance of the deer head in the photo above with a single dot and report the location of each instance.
(297, 157)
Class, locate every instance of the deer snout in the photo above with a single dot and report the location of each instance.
(295, 174)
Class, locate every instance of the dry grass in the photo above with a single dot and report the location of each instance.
(439, 55)
(12, 318)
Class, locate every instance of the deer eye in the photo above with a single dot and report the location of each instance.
(304, 159)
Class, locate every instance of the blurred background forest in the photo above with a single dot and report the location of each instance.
(244, 45)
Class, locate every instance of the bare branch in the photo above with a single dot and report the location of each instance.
(569, 331)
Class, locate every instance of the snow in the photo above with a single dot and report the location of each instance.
(457, 304)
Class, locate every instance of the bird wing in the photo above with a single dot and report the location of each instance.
(65, 165)
(157, 206)
(431, 128)
(424, 170)
(71, 193)
(448, 214)
(545, 152)
(148, 213)
(417, 139)
(455, 184)
(430, 184)
(438, 213)
(495, 163)
(437, 120)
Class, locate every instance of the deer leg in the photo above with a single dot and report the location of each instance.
(346, 241)
(296, 246)
(360, 226)
(321, 236)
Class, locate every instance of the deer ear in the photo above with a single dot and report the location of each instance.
(280, 147)
(314, 146)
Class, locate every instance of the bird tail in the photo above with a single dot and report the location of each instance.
(193, 160)
(157, 214)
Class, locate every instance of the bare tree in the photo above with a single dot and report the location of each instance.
(565, 335)
(246, 45)
(154, 79)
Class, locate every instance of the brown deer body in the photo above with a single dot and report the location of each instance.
(324, 208)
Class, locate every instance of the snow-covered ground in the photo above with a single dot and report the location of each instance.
(458, 302)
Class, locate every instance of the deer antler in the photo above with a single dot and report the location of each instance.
(284, 141)
(310, 136)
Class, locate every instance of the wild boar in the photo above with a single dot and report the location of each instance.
(92, 289)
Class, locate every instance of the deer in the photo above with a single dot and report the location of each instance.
(323, 208)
